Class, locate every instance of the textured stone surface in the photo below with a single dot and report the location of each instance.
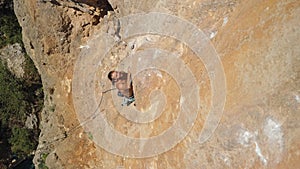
(257, 42)
(14, 57)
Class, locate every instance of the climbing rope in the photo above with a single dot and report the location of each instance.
(94, 115)
(91, 117)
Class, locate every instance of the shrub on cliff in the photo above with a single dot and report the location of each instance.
(12, 99)
(14, 106)
(18, 97)
(21, 141)
(10, 30)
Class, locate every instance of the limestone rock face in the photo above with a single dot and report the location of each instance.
(244, 50)
(31, 121)
(14, 57)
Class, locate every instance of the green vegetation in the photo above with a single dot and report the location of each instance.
(15, 104)
(44, 156)
(11, 98)
(90, 135)
(42, 166)
(21, 141)
(18, 97)
(42, 161)
(10, 30)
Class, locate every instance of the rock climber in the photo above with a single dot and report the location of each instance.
(123, 83)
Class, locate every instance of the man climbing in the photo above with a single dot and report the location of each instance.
(123, 83)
